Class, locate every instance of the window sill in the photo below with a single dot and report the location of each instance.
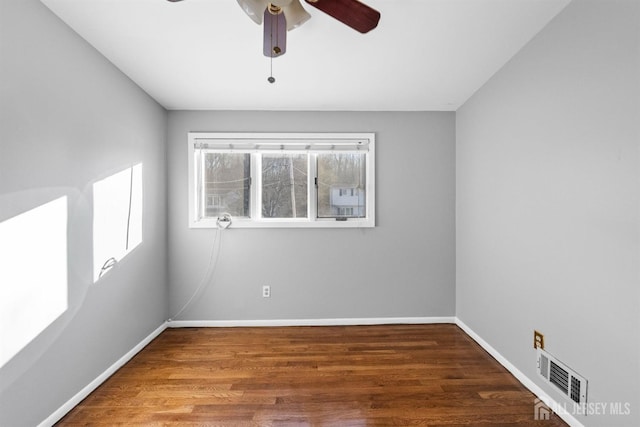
(287, 223)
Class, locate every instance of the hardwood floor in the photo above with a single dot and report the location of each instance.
(427, 375)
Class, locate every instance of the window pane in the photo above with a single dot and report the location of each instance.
(226, 184)
(341, 185)
(284, 185)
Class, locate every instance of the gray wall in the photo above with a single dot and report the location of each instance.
(547, 203)
(67, 119)
(404, 267)
(547, 209)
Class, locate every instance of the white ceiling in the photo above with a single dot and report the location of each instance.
(425, 55)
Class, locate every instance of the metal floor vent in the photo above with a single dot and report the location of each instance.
(567, 381)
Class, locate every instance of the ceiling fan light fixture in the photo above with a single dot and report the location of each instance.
(295, 14)
(254, 9)
(293, 10)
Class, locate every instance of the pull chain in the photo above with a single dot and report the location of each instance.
(271, 79)
(274, 49)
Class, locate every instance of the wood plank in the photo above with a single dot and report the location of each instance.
(429, 375)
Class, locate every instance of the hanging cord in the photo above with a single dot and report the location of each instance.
(271, 79)
(129, 213)
(111, 262)
(223, 222)
(273, 52)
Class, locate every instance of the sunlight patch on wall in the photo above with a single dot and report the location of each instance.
(33, 276)
(117, 218)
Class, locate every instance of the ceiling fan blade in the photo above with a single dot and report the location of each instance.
(352, 13)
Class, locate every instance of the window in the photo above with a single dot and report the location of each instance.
(342, 185)
(284, 185)
(225, 184)
(214, 201)
(281, 180)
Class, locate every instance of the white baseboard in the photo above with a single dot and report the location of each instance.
(526, 381)
(308, 322)
(80, 396)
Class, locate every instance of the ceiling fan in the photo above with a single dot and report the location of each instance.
(278, 16)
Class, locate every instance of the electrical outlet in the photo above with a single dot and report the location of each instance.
(266, 291)
(538, 340)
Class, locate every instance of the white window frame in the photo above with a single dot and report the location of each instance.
(261, 143)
